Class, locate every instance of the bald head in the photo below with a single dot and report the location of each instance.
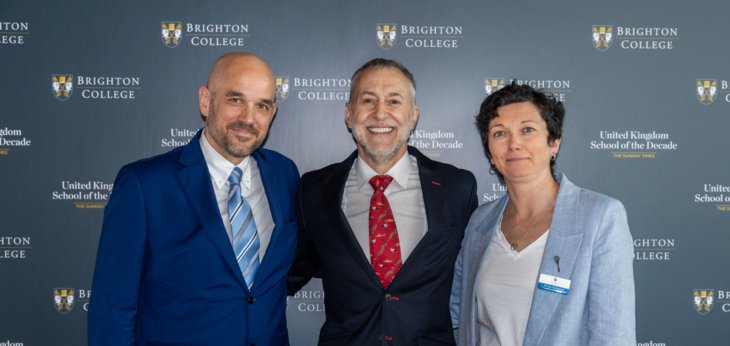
(238, 62)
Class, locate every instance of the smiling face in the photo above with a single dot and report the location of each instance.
(518, 143)
(238, 105)
(381, 115)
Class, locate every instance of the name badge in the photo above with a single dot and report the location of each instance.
(553, 284)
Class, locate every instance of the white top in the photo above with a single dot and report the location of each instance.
(504, 289)
(405, 198)
(252, 189)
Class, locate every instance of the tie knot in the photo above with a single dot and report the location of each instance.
(235, 177)
(380, 182)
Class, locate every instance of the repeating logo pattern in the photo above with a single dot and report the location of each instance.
(62, 86)
(171, 33)
(63, 299)
(706, 90)
(703, 299)
(602, 36)
(386, 34)
(493, 84)
(282, 88)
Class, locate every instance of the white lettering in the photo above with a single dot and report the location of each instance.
(217, 41)
(647, 44)
(15, 142)
(216, 28)
(108, 94)
(430, 30)
(431, 43)
(654, 243)
(10, 132)
(652, 255)
(310, 307)
(14, 254)
(12, 39)
(601, 145)
(323, 95)
(14, 26)
(15, 241)
(107, 81)
(546, 84)
(321, 82)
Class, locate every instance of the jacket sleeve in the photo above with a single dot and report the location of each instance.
(119, 262)
(307, 261)
(611, 296)
(456, 291)
(473, 198)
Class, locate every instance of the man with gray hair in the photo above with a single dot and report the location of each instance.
(385, 225)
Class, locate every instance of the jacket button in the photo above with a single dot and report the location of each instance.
(388, 297)
(250, 300)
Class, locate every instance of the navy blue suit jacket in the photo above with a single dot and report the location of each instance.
(166, 273)
(414, 309)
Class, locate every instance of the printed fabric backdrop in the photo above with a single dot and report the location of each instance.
(89, 86)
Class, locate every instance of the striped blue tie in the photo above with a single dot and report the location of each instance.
(245, 239)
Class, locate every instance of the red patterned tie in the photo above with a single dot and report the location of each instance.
(384, 242)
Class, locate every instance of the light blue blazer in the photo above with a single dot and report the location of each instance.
(590, 233)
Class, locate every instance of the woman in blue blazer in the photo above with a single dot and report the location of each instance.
(549, 263)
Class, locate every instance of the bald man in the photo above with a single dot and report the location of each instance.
(197, 242)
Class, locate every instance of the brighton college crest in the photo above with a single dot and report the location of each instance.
(171, 33)
(491, 85)
(703, 300)
(706, 90)
(63, 299)
(282, 88)
(386, 35)
(602, 36)
(62, 86)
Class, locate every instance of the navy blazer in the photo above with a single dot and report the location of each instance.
(590, 234)
(165, 270)
(414, 310)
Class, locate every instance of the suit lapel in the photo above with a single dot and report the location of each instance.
(195, 181)
(333, 193)
(273, 196)
(478, 254)
(564, 241)
(433, 200)
(432, 195)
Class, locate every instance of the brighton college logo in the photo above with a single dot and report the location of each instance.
(171, 33)
(62, 86)
(493, 84)
(386, 35)
(706, 90)
(63, 299)
(602, 36)
(703, 300)
(282, 88)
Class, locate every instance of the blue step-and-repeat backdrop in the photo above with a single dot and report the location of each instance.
(88, 86)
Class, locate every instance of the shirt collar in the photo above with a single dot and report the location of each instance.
(220, 168)
(400, 172)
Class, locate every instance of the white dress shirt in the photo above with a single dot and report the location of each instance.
(404, 195)
(252, 189)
